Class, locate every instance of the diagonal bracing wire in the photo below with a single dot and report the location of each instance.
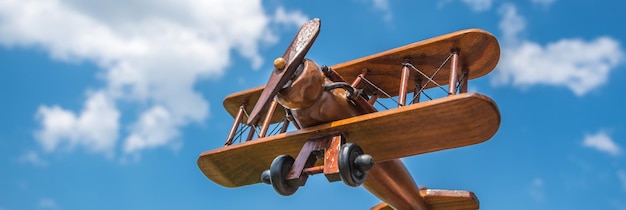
(380, 90)
(430, 79)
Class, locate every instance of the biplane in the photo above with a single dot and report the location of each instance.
(327, 120)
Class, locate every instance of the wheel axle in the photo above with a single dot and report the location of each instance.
(364, 162)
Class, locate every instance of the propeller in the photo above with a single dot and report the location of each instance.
(285, 67)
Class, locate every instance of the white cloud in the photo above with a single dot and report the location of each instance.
(293, 18)
(48, 203)
(511, 25)
(579, 65)
(32, 158)
(576, 64)
(151, 55)
(383, 6)
(602, 142)
(153, 129)
(95, 128)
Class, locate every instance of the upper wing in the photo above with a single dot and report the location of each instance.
(478, 50)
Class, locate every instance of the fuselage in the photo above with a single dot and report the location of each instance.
(311, 105)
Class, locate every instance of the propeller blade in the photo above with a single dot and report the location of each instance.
(285, 67)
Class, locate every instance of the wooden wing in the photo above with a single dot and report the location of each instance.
(445, 123)
(478, 52)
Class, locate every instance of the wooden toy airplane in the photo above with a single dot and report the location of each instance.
(336, 122)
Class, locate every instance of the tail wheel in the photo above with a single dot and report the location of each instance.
(278, 175)
(353, 164)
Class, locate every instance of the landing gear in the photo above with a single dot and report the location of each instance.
(278, 175)
(353, 164)
(345, 162)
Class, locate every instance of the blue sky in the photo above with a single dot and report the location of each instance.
(107, 105)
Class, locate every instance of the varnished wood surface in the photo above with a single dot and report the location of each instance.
(479, 52)
(450, 199)
(391, 182)
(443, 200)
(293, 57)
(444, 123)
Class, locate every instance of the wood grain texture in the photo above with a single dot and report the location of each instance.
(443, 200)
(450, 199)
(445, 123)
(479, 52)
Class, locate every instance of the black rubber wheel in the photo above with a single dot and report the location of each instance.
(349, 172)
(278, 175)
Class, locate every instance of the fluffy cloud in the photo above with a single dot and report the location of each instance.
(95, 128)
(579, 65)
(154, 128)
(602, 142)
(294, 18)
(383, 6)
(151, 55)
